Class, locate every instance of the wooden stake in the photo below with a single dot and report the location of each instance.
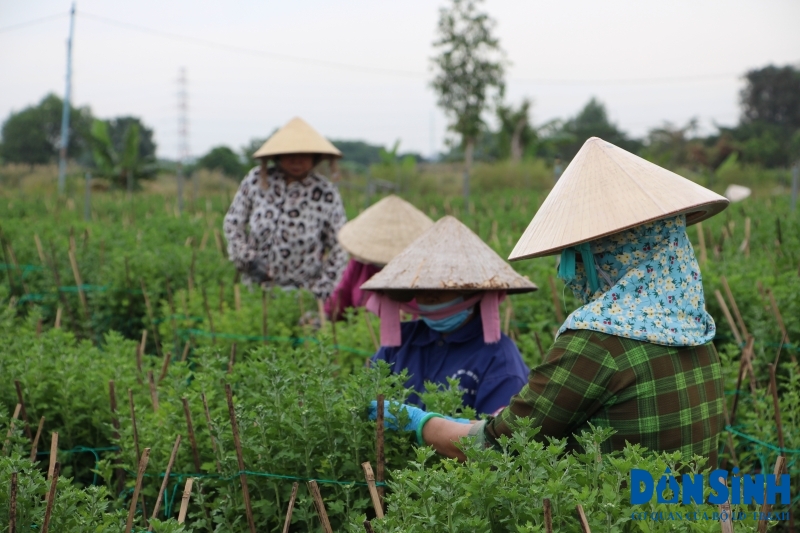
(721, 301)
(11, 428)
(165, 482)
(51, 498)
(264, 309)
(321, 312)
(53, 455)
(139, 476)
(556, 303)
(133, 423)
(218, 240)
(743, 364)
(288, 521)
(150, 317)
(779, 319)
(40, 249)
(548, 515)
(368, 527)
(240, 459)
(208, 315)
(776, 406)
(319, 505)
(190, 427)
(140, 353)
(237, 297)
(185, 353)
(153, 390)
(701, 239)
(371, 330)
(734, 307)
(381, 459)
(23, 414)
(211, 431)
(725, 525)
(373, 490)
(165, 366)
(780, 466)
(204, 240)
(745, 246)
(187, 493)
(232, 359)
(35, 445)
(582, 519)
(12, 511)
(79, 283)
(112, 394)
(57, 324)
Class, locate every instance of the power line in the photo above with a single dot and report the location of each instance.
(32, 22)
(632, 81)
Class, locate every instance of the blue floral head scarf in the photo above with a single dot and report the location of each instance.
(647, 286)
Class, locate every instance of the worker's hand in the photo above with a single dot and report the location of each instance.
(415, 414)
(257, 271)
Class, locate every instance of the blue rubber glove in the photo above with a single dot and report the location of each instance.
(417, 417)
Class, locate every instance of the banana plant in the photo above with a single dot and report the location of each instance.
(121, 168)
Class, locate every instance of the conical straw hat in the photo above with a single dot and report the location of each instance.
(605, 190)
(448, 256)
(737, 193)
(297, 137)
(383, 230)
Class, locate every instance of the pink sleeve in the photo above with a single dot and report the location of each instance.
(341, 297)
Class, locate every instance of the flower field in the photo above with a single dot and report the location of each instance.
(128, 336)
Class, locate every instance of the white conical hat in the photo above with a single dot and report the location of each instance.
(448, 256)
(383, 230)
(605, 190)
(297, 137)
(737, 193)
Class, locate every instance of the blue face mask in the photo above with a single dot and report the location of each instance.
(446, 324)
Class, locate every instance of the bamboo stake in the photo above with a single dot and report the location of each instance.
(187, 493)
(725, 525)
(321, 312)
(554, 296)
(77, 275)
(208, 314)
(112, 394)
(11, 428)
(368, 527)
(237, 297)
(150, 317)
(548, 516)
(57, 324)
(153, 391)
(204, 240)
(743, 365)
(232, 358)
(240, 459)
(728, 317)
(40, 249)
(190, 428)
(319, 505)
(701, 239)
(12, 511)
(780, 465)
(379, 452)
(133, 423)
(775, 406)
(779, 318)
(57, 279)
(35, 445)
(734, 307)
(211, 431)
(165, 366)
(582, 518)
(373, 490)
(23, 413)
(218, 240)
(288, 521)
(188, 242)
(745, 246)
(139, 476)
(53, 455)
(264, 309)
(51, 497)
(371, 331)
(185, 353)
(165, 482)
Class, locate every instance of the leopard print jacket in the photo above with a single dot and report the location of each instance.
(286, 235)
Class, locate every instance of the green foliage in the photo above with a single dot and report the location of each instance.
(124, 167)
(225, 160)
(32, 136)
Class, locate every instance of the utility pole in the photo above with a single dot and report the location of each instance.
(62, 155)
(183, 133)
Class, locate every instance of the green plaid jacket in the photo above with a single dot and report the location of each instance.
(664, 398)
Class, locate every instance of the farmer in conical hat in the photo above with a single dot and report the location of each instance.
(281, 226)
(372, 239)
(454, 282)
(637, 356)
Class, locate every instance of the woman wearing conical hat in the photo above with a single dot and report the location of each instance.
(281, 226)
(454, 283)
(637, 355)
(373, 239)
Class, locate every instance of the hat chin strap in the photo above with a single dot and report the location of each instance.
(566, 268)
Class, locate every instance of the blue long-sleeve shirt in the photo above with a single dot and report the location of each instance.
(489, 374)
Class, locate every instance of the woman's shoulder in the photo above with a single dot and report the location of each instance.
(250, 179)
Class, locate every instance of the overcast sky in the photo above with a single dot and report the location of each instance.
(360, 69)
